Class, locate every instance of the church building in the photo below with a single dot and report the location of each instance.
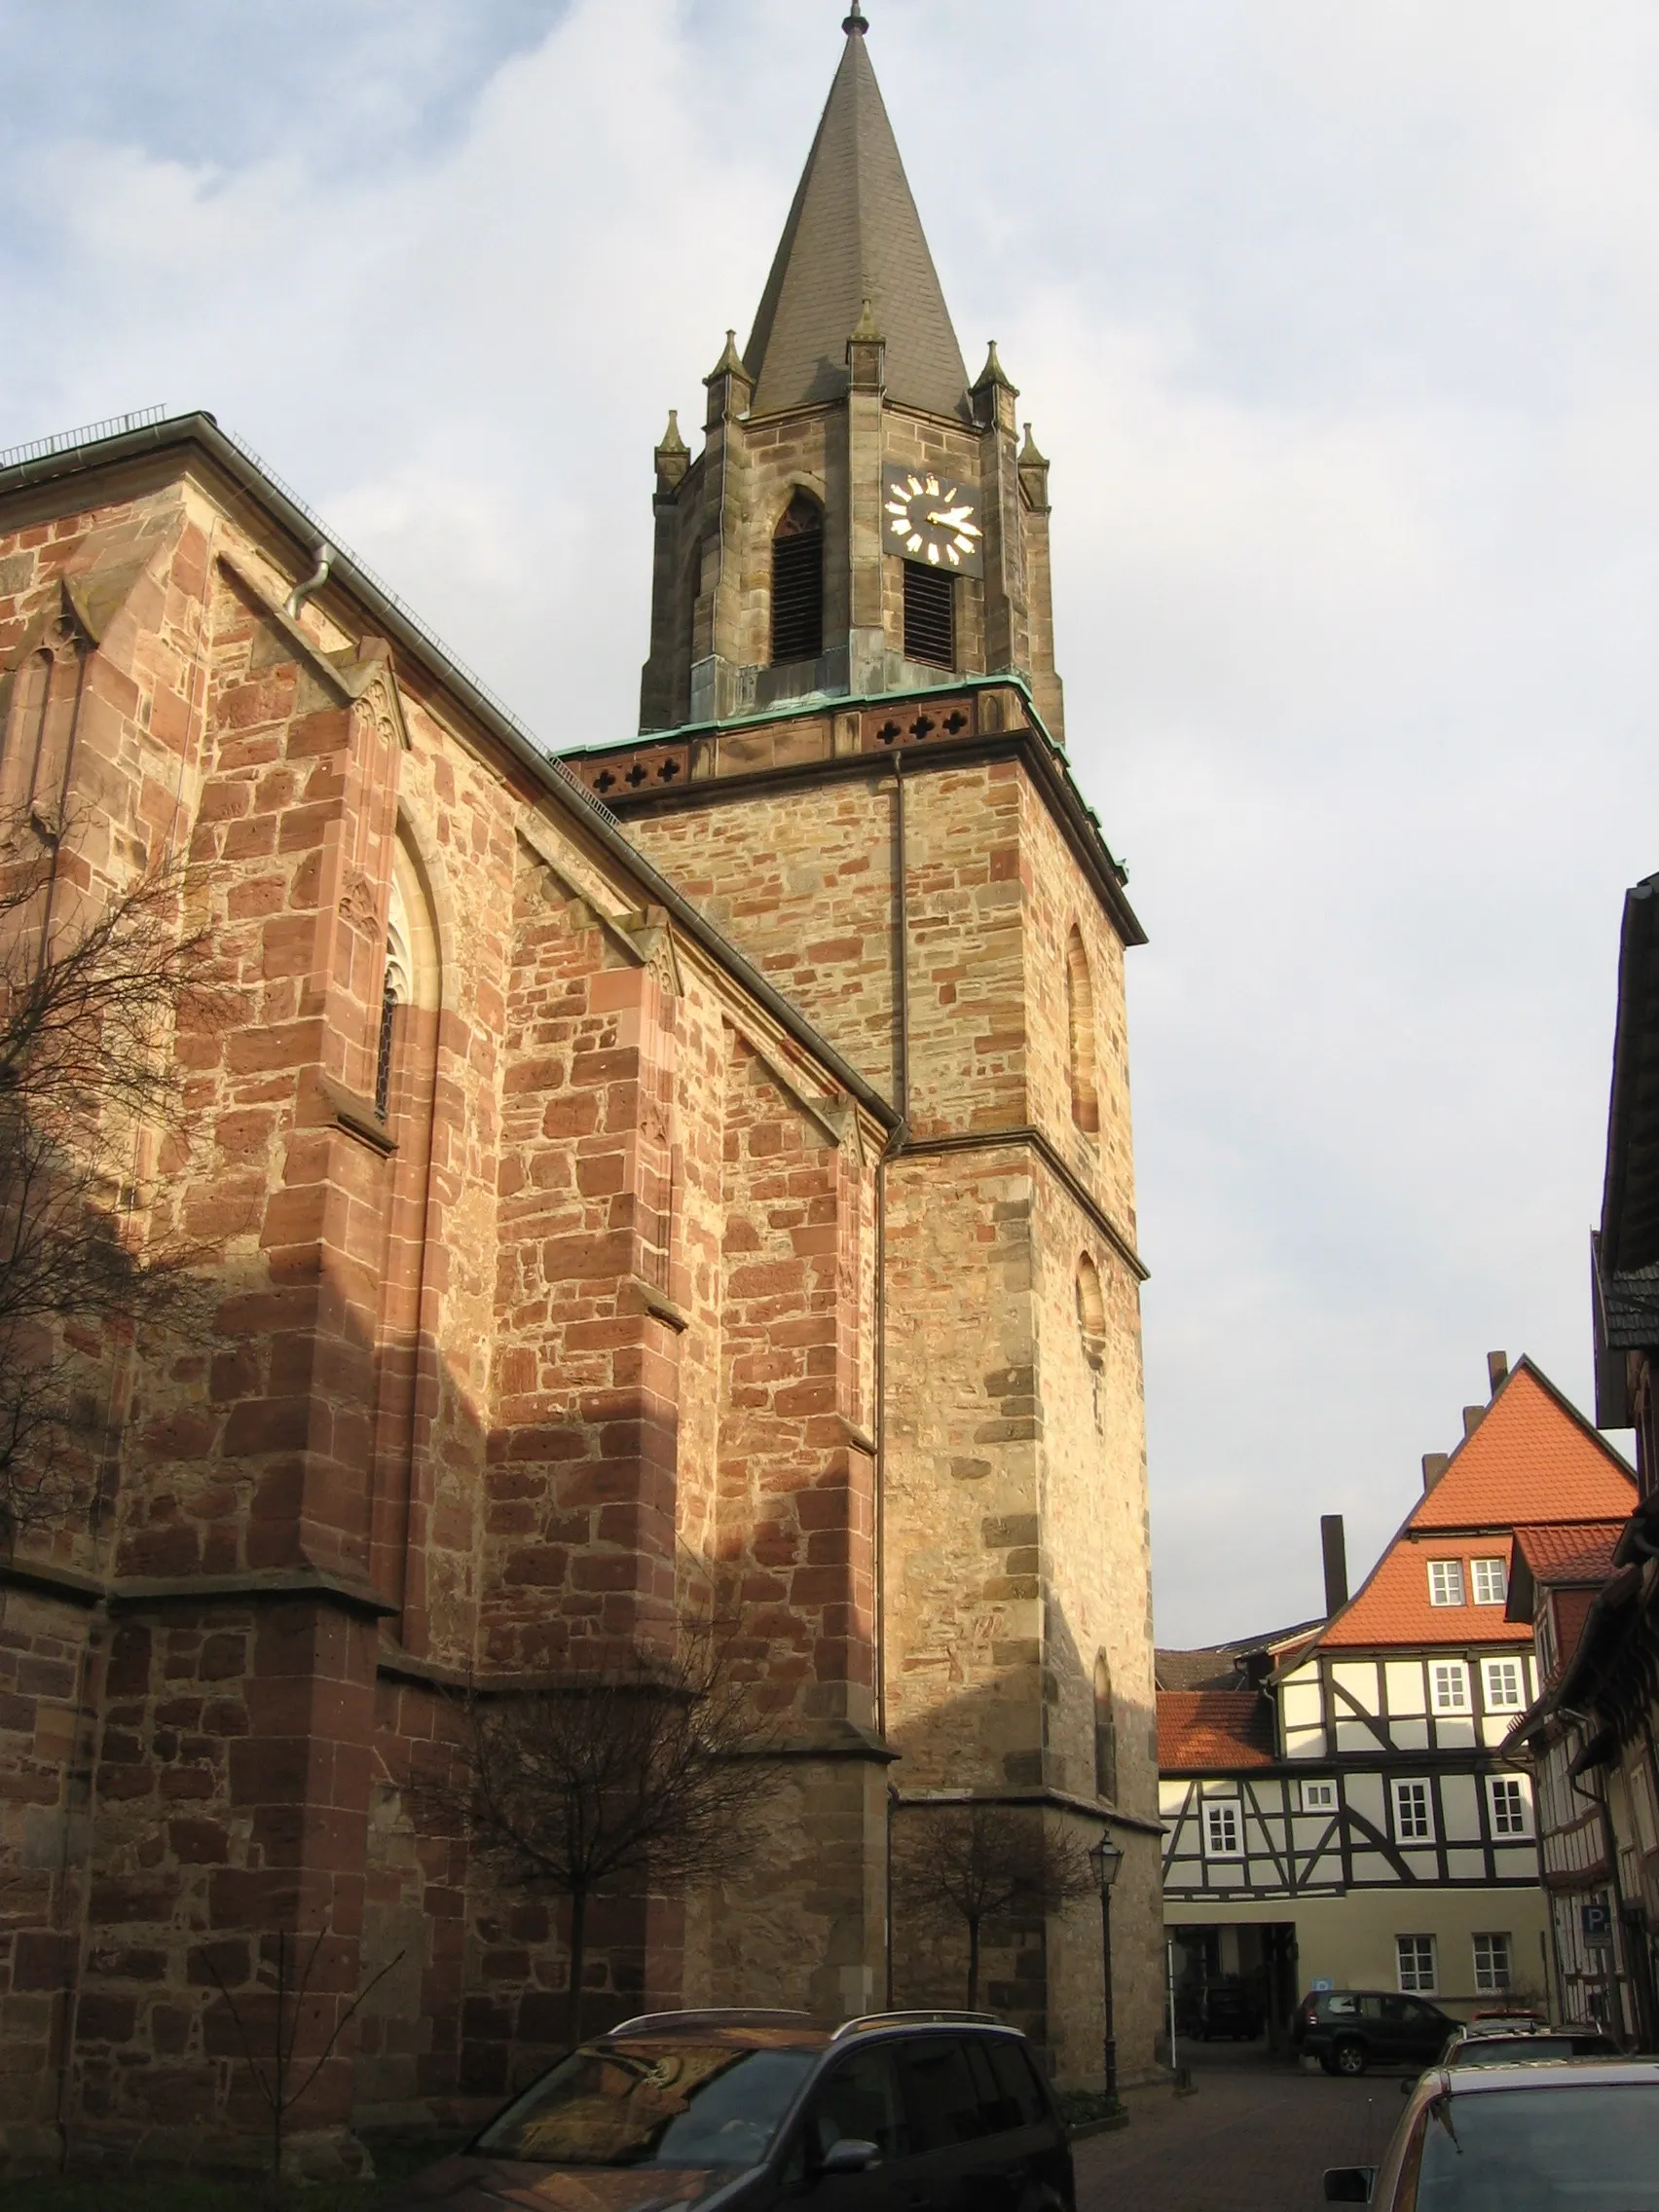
(696, 1164)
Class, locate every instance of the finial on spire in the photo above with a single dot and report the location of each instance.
(993, 371)
(730, 362)
(1029, 457)
(867, 327)
(855, 25)
(672, 441)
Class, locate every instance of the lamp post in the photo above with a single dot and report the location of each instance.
(1106, 1858)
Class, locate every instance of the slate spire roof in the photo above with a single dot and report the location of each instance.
(854, 235)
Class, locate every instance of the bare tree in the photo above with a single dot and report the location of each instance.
(271, 2020)
(90, 992)
(649, 1768)
(968, 1864)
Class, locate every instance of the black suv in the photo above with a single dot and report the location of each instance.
(901, 2111)
(1348, 2030)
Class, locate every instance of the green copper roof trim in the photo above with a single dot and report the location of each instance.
(824, 702)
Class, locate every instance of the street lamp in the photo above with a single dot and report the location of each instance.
(1106, 1858)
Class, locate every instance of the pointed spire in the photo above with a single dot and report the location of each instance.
(867, 354)
(1033, 474)
(993, 372)
(730, 362)
(673, 454)
(854, 235)
(731, 385)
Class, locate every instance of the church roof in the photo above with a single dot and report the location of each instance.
(854, 235)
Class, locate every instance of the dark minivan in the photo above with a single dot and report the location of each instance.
(738, 2111)
(1348, 2030)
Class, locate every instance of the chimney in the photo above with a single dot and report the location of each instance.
(1434, 1465)
(1498, 1371)
(1472, 1416)
(1334, 1544)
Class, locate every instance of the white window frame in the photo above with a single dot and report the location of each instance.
(1491, 1979)
(1446, 1577)
(1224, 1814)
(1504, 1792)
(1325, 1801)
(1452, 1676)
(1414, 1978)
(1415, 1807)
(1494, 1573)
(1496, 1702)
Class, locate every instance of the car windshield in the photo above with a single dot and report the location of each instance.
(644, 2104)
(1545, 2148)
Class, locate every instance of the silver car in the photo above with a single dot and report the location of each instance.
(1579, 2135)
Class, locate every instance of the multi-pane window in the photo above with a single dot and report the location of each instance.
(1416, 1957)
(1446, 1582)
(1504, 1685)
(1222, 1838)
(1492, 1965)
(1449, 1682)
(1490, 1581)
(1318, 1796)
(1413, 1812)
(1506, 1795)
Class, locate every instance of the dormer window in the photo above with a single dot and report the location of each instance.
(1492, 1583)
(1446, 1582)
(797, 581)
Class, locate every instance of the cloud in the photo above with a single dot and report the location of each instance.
(1339, 325)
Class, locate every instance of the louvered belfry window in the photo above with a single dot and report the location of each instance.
(797, 581)
(930, 615)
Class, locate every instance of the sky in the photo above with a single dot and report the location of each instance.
(1340, 326)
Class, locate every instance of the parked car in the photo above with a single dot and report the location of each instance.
(1348, 2030)
(1519, 2138)
(1227, 2009)
(744, 2110)
(1486, 2043)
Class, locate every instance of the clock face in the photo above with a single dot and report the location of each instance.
(931, 519)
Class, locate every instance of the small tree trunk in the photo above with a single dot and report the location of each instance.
(579, 1963)
(973, 1963)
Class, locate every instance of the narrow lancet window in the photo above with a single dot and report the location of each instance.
(1105, 1734)
(1079, 1026)
(797, 581)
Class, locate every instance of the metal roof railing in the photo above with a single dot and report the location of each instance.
(87, 434)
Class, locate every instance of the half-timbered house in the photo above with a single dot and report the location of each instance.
(1349, 1817)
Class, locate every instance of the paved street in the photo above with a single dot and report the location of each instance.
(1252, 2138)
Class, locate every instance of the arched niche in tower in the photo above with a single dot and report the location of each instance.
(1080, 1035)
(797, 581)
(1090, 1311)
(1105, 1732)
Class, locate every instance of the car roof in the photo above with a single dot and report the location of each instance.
(759, 2028)
(1541, 2074)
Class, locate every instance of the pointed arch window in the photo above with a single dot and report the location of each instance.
(1105, 1733)
(1079, 1030)
(396, 992)
(797, 581)
(1090, 1311)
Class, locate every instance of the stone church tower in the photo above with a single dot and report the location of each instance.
(851, 756)
(698, 1165)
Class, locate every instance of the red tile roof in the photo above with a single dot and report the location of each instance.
(1532, 1461)
(1393, 1606)
(1211, 1729)
(1580, 1554)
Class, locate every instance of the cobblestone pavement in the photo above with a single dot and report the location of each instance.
(1251, 2138)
